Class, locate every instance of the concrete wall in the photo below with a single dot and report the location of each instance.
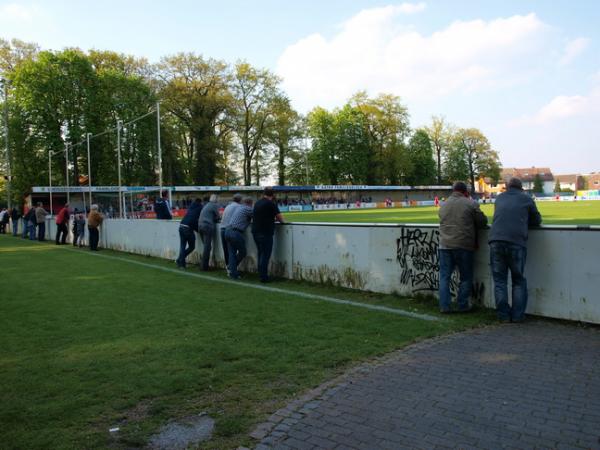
(562, 265)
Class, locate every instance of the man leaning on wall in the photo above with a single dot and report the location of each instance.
(514, 213)
(460, 218)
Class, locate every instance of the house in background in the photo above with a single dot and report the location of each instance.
(572, 182)
(527, 176)
(593, 180)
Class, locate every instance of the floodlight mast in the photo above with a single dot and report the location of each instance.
(4, 82)
(119, 126)
(160, 180)
(88, 135)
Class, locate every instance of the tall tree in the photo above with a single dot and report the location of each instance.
(196, 91)
(440, 135)
(421, 155)
(284, 132)
(254, 91)
(480, 159)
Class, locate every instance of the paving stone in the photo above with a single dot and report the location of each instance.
(530, 386)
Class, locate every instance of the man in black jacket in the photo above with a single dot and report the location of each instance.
(265, 214)
(187, 228)
(514, 213)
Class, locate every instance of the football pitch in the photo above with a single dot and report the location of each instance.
(92, 342)
(553, 213)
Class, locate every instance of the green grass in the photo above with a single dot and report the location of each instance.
(87, 343)
(553, 213)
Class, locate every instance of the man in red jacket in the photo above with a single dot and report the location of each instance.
(62, 225)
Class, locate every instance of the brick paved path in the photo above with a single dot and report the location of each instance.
(535, 385)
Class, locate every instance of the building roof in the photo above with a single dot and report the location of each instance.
(571, 178)
(527, 174)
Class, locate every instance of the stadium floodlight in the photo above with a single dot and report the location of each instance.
(119, 127)
(50, 153)
(88, 135)
(159, 148)
(4, 83)
(67, 171)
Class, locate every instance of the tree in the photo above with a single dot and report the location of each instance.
(324, 157)
(284, 132)
(480, 159)
(254, 91)
(386, 124)
(538, 184)
(196, 91)
(420, 153)
(440, 135)
(557, 187)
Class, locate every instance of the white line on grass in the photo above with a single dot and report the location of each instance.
(261, 287)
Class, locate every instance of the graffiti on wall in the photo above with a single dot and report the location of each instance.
(418, 256)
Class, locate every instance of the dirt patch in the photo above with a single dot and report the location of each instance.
(182, 434)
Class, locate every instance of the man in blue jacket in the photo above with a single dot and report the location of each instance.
(187, 227)
(514, 213)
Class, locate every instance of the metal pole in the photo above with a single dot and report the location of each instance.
(119, 125)
(89, 168)
(67, 172)
(160, 180)
(50, 177)
(8, 168)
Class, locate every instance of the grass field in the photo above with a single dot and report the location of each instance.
(88, 342)
(553, 213)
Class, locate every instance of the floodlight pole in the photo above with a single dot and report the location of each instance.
(50, 177)
(119, 126)
(4, 82)
(89, 169)
(160, 180)
(67, 171)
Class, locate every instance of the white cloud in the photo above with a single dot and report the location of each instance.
(573, 49)
(564, 107)
(15, 12)
(374, 51)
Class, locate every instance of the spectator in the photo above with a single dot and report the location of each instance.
(225, 220)
(94, 221)
(514, 213)
(40, 219)
(207, 225)
(460, 218)
(79, 229)
(3, 223)
(14, 215)
(187, 229)
(234, 235)
(263, 227)
(162, 209)
(31, 222)
(62, 223)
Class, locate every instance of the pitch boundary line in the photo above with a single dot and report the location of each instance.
(261, 287)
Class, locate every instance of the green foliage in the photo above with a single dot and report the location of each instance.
(538, 184)
(557, 186)
(421, 154)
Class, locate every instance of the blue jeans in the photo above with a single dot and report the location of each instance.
(225, 247)
(505, 256)
(237, 250)
(41, 231)
(187, 244)
(31, 226)
(264, 246)
(449, 259)
(25, 228)
(207, 234)
(15, 227)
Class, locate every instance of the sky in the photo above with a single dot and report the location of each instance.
(526, 73)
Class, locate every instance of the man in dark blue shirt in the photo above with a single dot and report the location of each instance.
(514, 213)
(264, 216)
(187, 227)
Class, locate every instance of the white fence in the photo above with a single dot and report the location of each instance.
(562, 264)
